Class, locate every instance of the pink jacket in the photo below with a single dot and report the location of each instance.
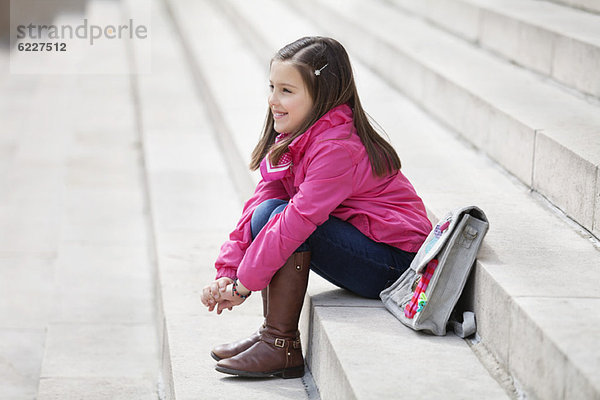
(330, 175)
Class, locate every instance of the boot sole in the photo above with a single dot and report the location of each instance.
(289, 373)
(215, 357)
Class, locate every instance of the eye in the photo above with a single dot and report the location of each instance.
(287, 91)
(271, 87)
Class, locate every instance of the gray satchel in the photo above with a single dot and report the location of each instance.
(424, 297)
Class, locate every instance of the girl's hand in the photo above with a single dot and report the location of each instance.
(228, 300)
(212, 293)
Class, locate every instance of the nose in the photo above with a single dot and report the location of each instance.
(273, 100)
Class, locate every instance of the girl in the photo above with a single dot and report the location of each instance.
(332, 199)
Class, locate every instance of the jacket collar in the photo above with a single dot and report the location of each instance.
(338, 115)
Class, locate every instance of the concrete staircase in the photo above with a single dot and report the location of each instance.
(477, 117)
(488, 102)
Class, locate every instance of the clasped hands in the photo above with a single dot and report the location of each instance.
(219, 294)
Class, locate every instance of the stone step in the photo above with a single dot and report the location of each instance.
(522, 274)
(101, 335)
(553, 40)
(352, 342)
(547, 138)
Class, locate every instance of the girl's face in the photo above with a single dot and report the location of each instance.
(289, 100)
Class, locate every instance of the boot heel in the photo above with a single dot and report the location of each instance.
(296, 372)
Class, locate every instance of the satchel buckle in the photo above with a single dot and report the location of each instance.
(415, 283)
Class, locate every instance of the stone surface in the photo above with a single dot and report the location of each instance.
(77, 350)
(412, 357)
(97, 389)
(26, 301)
(121, 290)
(575, 63)
(21, 353)
(557, 167)
(574, 337)
(324, 293)
(326, 366)
(556, 41)
(524, 43)
(492, 321)
(461, 17)
(534, 356)
(191, 340)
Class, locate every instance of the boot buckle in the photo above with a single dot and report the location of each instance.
(279, 342)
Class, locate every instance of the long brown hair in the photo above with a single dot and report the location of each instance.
(333, 87)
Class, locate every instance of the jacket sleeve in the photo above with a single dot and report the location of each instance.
(232, 251)
(327, 183)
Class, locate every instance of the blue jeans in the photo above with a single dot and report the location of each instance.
(342, 254)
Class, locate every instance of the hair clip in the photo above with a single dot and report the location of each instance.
(318, 71)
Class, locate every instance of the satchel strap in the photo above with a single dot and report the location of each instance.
(465, 328)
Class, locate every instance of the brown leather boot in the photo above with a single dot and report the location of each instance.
(278, 353)
(231, 349)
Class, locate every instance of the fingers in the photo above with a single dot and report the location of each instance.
(214, 290)
(223, 283)
(223, 305)
(216, 295)
(206, 296)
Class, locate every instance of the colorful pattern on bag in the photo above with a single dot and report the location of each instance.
(419, 298)
(422, 301)
(438, 232)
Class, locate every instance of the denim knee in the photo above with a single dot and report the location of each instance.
(263, 213)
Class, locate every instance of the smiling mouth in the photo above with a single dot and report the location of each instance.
(278, 115)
